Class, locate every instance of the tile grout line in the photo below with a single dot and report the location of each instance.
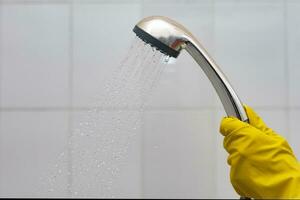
(1, 52)
(70, 102)
(286, 67)
(148, 109)
(143, 165)
(1, 72)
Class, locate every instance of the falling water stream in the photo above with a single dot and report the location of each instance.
(99, 143)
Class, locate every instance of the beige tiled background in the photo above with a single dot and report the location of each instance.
(55, 54)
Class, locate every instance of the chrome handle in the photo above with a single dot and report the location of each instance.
(231, 102)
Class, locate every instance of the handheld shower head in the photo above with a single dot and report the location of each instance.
(170, 38)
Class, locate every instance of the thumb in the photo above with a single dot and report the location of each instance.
(256, 121)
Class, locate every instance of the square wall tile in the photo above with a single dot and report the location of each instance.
(31, 144)
(184, 84)
(178, 154)
(294, 137)
(249, 45)
(102, 35)
(293, 51)
(34, 55)
(107, 154)
(196, 16)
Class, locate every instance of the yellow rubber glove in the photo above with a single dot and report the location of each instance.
(262, 162)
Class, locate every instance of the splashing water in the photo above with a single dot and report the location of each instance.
(99, 144)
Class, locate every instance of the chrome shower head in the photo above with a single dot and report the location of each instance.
(170, 38)
(166, 35)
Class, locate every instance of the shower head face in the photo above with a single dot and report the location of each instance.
(164, 34)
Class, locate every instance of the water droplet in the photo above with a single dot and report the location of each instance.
(111, 122)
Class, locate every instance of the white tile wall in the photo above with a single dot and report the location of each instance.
(101, 39)
(54, 53)
(34, 61)
(29, 147)
(178, 147)
(128, 182)
(249, 44)
(293, 51)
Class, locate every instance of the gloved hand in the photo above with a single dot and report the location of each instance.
(262, 162)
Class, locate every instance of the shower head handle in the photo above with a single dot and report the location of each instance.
(230, 100)
(170, 38)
